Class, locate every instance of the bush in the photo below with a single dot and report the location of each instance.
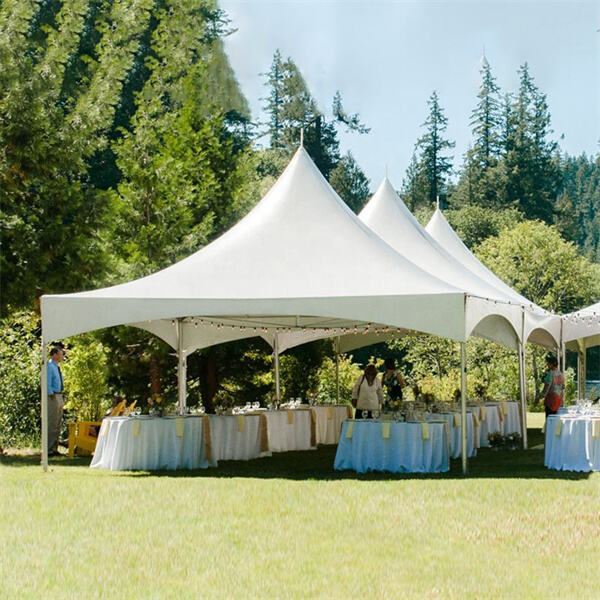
(20, 371)
(326, 384)
(85, 377)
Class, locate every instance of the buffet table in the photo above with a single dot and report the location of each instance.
(572, 443)
(367, 445)
(149, 443)
(454, 432)
(329, 421)
(289, 430)
(239, 437)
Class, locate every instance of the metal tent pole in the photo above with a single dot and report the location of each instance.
(463, 405)
(583, 370)
(276, 361)
(181, 369)
(44, 405)
(337, 370)
(523, 392)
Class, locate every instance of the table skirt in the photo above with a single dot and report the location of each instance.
(572, 443)
(291, 430)
(149, 444)
(329, 422)
(404, 451)
(238, 437)
(454, 433)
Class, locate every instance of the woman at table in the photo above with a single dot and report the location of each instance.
(367, 394)
(554, 384)
(392, 380)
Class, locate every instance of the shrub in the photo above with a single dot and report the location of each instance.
(20, 371)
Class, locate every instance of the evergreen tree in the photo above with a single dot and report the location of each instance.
(436, 165)
(348, 180)
(532, 172)
(414, 190)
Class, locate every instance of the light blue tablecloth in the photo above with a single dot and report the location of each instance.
(571, 446)
(404, 452)
(454, 432)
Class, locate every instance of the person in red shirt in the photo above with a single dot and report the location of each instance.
(554, 385)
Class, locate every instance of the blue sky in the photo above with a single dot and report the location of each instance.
(387, 57)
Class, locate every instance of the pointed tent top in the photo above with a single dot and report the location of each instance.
(300, 250)
(390, 218)
(437, 202)
(484, 61)
(301, 137)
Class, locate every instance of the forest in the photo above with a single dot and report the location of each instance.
(126, 144)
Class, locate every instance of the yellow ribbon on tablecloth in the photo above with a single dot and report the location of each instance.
(290, 417)
(136, 427)
(595, 428)
(264, 433)
(505, 408)
(475, 420)
(425, 430)
(104, 427)
(349, 411)
(241, 423)
(350, 430)
(330, 413)
(558, 427)
(500, 414)
(179, 427)
(207, 438)
(385, 430)
(456, 420)
(482, 414)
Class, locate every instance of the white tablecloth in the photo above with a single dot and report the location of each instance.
(453, 420)
(490, 420)
(289, 430)
(236, 437)
(148, 443)
(572, 443)
(405, 451)
(329, 422)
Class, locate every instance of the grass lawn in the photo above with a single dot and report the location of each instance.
(289, 526)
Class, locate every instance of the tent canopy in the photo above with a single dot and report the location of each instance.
(581, 329)
(300, 259)
(540, 326)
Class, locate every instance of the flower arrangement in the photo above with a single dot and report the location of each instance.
(496, 440)
(157, 405)
(514, 440)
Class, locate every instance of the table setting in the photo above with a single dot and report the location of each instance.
(572, 441)
(393, 445)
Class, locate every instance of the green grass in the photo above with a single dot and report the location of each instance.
(289, 526)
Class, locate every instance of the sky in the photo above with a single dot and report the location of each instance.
(387, 57)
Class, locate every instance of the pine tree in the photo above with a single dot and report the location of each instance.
(348, 180)
(532, 171)
(414, 191)
(435, 164)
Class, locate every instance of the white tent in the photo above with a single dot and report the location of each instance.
(300, 259)
(539, 326)
(581, 330)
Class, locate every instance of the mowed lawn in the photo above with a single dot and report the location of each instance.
(289, 526)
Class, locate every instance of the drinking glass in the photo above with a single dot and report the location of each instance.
(255, 405)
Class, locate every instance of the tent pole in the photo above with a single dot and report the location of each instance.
(523, 392)
(563, 364)
(337, 370)
(181, 369)
(276, 361)
(583, 369)
(44, 405)
(463, 405)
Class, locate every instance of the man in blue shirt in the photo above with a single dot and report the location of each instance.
(55, 399)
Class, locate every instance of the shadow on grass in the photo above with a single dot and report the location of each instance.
(318, 465)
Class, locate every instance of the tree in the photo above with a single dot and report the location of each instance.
(532, 171)
(348, 180)
(414, 191)
(436, 165)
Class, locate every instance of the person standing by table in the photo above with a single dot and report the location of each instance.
(554, 385)
(392, 381)
(367, 394)
(55, 399)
